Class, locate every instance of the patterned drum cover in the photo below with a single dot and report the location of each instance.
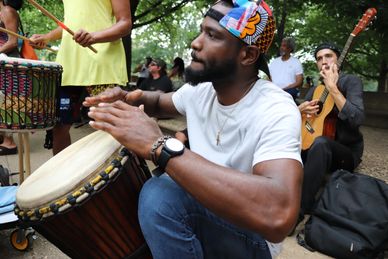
(28, 90)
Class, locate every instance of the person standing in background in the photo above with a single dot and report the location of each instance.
(286, 70)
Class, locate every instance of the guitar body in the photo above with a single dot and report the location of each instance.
(314, 126)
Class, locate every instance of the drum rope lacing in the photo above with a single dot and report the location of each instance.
(78, 196)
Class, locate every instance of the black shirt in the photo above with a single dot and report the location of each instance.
(163, 84)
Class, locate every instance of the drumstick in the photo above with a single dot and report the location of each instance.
(55, 19)
(22, 37)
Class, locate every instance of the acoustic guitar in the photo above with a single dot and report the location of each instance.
(323, 123)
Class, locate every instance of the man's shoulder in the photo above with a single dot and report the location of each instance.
(164, 78)
(295, 59)
(270, 94)
(348, 79)
(276, 60)
(345, 76)
(201, 89)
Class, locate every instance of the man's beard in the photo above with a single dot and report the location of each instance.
(211, 72)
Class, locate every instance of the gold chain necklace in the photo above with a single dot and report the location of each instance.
(218, 136)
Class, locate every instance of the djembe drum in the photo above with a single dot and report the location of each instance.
(84, 200)
(28, 91)
(28, 102)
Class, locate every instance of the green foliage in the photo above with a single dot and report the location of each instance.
(170, 36)
(35, 22)
(165, 28)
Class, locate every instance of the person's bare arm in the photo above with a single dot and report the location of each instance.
(10, 19)
(123, 25)
(156, 103)
(266, 202)
(40, 41)
(298, 82)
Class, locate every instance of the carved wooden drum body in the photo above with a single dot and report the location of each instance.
(84, 200)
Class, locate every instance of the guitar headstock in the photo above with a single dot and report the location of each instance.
(364, 21)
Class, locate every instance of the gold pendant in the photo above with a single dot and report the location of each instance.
(218, 138)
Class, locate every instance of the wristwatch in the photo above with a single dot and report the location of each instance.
(171, 148)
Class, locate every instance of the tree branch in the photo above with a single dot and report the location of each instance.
(359, 51)
(374, 77)
(149, 10)
(167, 12)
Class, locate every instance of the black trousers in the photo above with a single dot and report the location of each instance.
(324, 157)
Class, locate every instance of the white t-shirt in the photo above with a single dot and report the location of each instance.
(283, 73)
(264, 125)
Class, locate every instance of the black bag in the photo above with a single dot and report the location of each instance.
(350, 219)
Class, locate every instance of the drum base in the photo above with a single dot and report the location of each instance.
(106, 225)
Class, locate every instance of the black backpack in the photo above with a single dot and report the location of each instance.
(350, 219)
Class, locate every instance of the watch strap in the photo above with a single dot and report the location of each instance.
(160, 141)
(163, 159)
(166, 154)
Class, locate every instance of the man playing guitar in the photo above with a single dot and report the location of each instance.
(326, 155)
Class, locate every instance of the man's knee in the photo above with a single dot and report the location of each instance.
(319, 144)
(159, 201)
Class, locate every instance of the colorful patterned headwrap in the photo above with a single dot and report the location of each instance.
(250, 21)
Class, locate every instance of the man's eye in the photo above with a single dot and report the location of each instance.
(210, 34)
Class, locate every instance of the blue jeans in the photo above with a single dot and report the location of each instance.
(176, 226)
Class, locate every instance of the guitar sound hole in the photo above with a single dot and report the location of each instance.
(320, 104)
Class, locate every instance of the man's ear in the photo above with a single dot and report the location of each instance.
(249, 55)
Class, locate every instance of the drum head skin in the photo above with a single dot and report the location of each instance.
(66, 171)
(22, 61)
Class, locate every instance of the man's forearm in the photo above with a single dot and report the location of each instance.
(254, 208)
(298, 82)
(155, 104)
(55, 34)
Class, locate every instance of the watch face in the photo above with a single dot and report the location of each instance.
(174, 145)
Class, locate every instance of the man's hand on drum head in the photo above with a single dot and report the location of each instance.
(113, 94)
(129, 125)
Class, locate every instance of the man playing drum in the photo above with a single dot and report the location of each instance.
(236, 192)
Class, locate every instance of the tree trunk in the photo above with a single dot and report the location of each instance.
(127, 41)
(282, 25)
(383, 81)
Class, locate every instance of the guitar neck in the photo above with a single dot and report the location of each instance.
(345, 51)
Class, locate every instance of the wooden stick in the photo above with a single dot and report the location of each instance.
(55, 19)
(22, 37)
